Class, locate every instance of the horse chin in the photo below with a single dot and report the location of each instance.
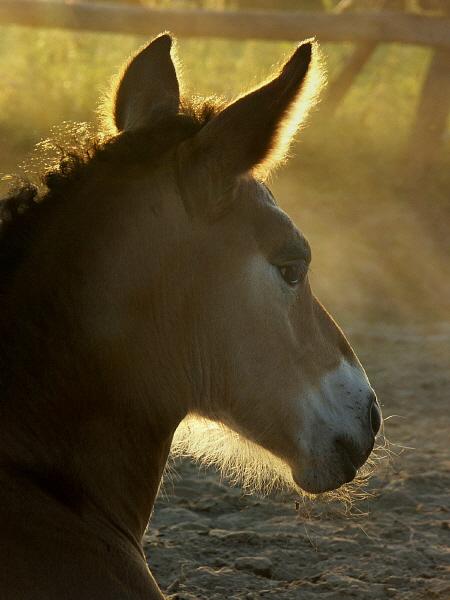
(315, 480)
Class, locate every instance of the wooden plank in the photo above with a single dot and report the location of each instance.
(373, 26)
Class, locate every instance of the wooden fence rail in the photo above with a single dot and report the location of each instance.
(381, 27)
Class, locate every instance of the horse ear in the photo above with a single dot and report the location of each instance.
(253, 133)
(148, 88)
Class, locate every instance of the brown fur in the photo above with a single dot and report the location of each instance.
(143, 286)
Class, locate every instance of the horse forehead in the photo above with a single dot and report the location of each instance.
(271, 223)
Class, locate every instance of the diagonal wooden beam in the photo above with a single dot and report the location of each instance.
(427, 136)
(340, 86)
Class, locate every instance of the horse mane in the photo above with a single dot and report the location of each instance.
(79, 161)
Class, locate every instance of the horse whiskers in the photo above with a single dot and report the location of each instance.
(256, 470)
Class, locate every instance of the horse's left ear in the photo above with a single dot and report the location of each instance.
(148, 89)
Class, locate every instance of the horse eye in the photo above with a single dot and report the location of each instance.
(293, 273)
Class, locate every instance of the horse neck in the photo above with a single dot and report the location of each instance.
(72, 432)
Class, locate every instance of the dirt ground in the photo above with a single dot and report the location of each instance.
(208, 540)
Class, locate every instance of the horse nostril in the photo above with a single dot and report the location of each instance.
(375, 415)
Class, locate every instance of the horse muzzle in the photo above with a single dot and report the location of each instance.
(333, 450)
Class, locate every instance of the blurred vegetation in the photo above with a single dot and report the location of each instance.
(379, 245)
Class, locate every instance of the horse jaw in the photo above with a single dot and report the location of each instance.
(245, 463)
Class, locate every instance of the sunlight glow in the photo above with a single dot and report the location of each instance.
(244, 463)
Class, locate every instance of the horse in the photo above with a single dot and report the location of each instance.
(155, 279)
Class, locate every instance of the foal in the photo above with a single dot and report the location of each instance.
(155, 279)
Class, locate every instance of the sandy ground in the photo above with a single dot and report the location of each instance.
(208, 540)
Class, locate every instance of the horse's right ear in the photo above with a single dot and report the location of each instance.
(250, 135)
(148, 89)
